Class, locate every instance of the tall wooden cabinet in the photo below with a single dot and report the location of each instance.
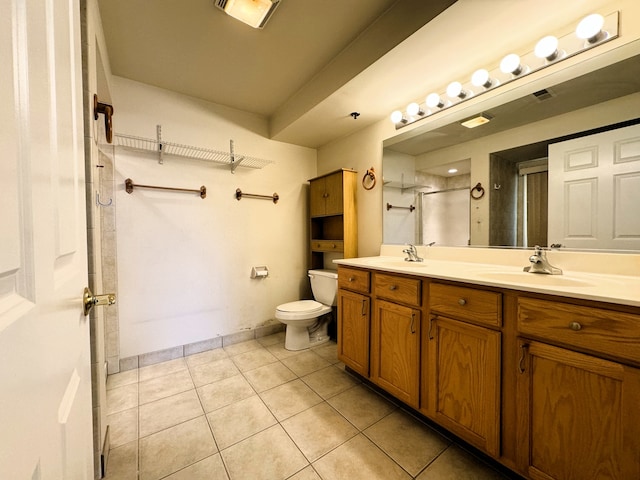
(333, 212)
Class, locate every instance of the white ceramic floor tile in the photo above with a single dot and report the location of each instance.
(269, 376)
(123, 427)
(168, 412)
(359, 459)
(211, 468)
(289, 399)
(175, 448)
(329, 381)
(214, 371)
(224, 392)
(236, 422)
(253, 359)
(123, 378)
(122, 398)
(318, 430)
(206, 357)
(408, 441)
(159, 369)
(268, 455)
(305, 363)
(242, 347)
(164, 386)
(361, 406)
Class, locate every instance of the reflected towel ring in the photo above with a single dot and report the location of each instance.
(371, 175)
(478, 188)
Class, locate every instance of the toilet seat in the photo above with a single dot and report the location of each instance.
(301, 310)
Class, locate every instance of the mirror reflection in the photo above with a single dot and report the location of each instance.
(525, 186)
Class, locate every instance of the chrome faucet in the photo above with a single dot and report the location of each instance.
(412, 254)
(540, 264)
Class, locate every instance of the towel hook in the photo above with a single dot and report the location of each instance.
(107, 110)
(100, 204)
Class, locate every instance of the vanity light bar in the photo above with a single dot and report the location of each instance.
(593, 30)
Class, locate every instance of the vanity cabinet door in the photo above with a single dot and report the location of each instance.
(462, 372)
(580, 415)
(354, 320)
(395, 347)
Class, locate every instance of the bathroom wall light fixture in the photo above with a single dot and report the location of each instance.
(455, 90)
(590, 28)
(476, 121)
(511, 64)
(254, 13)
(593, 30)
(414, 109)
(434, 101)
(398, 117)
(481, 78)
(547, 48)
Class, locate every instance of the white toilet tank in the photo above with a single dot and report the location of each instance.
(324, 284)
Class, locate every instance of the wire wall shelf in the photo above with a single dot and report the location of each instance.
(163, 148)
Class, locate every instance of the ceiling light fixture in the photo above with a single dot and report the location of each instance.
(452, 170)
(593, 30)
(476, 121)
(254, 13)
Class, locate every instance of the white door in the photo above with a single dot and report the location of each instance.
(45, 380)
(594, 185)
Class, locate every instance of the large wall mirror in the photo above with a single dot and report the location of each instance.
(542, 182)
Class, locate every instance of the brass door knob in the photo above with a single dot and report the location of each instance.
(89, 300)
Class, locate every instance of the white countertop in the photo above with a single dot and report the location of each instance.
(618, 289)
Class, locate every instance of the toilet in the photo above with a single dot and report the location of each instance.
(307, 320)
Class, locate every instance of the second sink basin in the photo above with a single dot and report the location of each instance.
(535, 279)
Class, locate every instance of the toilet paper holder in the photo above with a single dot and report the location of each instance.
(259, 272)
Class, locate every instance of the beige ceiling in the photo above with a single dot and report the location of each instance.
(307, 52)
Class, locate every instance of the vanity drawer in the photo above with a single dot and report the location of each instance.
(327, 245)
(478, 306)
(397, 289)
(352, 279)
(616, 334)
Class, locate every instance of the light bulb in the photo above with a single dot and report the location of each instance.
(397, 117)
(433, 101)
(454, 90)
(480, 78)
(590, 28)
(511, 64)
(414, 109)
(452, 170)
(547, 48)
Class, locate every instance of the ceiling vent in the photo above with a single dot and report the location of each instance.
(255, 13)
(542, 95)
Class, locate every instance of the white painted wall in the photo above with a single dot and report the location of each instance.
(184, 263)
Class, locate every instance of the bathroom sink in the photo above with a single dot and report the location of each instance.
(535, 279)
(401, 264)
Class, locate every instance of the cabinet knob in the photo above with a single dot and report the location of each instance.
(351, 279)
(333, 245)
(462, 302)
(393, 287)
(575, 326)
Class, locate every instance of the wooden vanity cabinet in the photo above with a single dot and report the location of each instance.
(354, 319)
(333, 214)
(395, 336)
(579, 413)
(461, 374)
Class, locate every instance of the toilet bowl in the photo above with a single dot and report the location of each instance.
(307, 320)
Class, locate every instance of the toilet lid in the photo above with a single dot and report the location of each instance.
(301, 306)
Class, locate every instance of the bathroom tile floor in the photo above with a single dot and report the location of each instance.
(254, 410)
